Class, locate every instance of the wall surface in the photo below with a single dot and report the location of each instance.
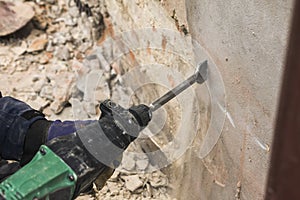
(247, 42)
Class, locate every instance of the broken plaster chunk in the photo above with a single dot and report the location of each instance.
(78, 109)
(132, 183)
(142, 162)
(19, 50)
(39, 103)
(113, 188)
(14, 15)
(47, 92)
(57, 106)
(37, 44)
(158, 180)
(62, 53)
(115, 176)
(128, 162)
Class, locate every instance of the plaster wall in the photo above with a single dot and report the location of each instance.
(247, 42)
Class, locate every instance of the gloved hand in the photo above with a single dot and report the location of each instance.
(23, 130)
(16, 117)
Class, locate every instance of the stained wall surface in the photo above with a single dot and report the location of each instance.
(247, 42)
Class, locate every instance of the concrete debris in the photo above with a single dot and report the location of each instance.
(37, 44)
(142, 164)
(19, 50)
(128, 162)
(13, 16)
(45, 58)
(62, 53)
(38, 103)
(132, 183)
(158, 180)
(115, 176)
(47, 92)
(113, 188)
(38, 83)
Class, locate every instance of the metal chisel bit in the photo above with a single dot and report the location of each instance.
(199, 76)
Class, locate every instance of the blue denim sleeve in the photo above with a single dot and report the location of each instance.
(13, 127)
(59, 128)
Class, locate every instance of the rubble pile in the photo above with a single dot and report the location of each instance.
(133, 186)
(38, 66)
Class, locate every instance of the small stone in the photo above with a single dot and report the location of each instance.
(35, 78)
(47, 92)
(104, 190)
(73, 11)
(115, 176)
(19, 50)
(133, 182)
(142, 163)
(158, 180)
(69, 21)
(41, 67)
(84, 47)
(21, 67)
(5, 61)
(113, 188)
(56, 106)
(44, 59)
(126, 194)
(50, 47)
(59, 38)
(39, 103)
(37, 44)
(62, 90)
(128, 162)
(62, 53)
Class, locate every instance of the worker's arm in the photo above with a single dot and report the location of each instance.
(23, 130)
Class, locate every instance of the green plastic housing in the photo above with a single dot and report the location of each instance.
(47, 175)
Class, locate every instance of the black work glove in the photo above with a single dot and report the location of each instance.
(16, 117)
